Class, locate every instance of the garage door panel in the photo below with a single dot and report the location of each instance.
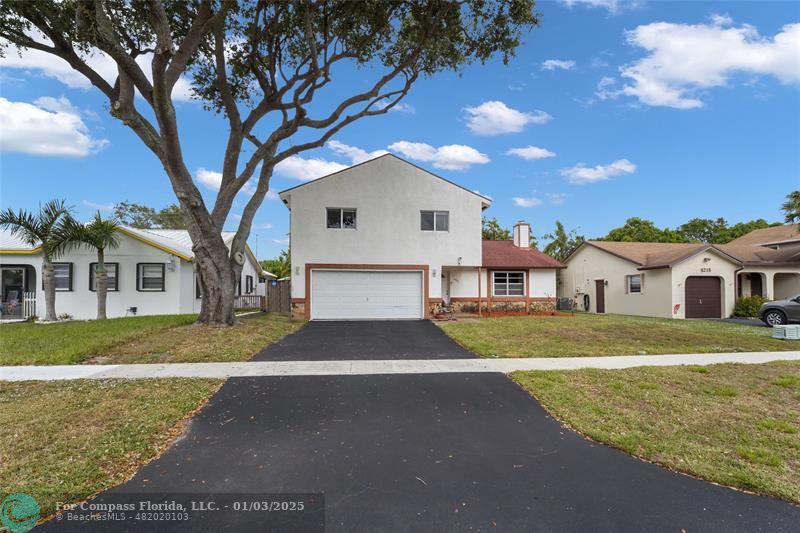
(346, 294)
(703, 297)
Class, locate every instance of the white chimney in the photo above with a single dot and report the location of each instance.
(522, 234)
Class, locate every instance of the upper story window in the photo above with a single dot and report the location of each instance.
(112, 282)
(62, 273)
(634, 284)
(435, 220)
(341, 218)
(508, 283)
(150, 277)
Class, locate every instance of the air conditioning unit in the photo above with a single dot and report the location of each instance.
(790, 332)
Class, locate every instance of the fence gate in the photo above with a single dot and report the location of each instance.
(278, 296)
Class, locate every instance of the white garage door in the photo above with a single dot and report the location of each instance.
(365, 294)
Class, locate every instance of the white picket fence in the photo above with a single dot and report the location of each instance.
(28, 304)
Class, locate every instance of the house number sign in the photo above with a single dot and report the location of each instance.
(707, 269)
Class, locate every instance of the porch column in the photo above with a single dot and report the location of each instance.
(769, 285)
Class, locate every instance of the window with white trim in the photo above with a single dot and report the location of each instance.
(508, 283)
(112, 283)
(62, 276)
(150, 277)
(248, 284)
(340, 218)
(634, 284)
(435, 220)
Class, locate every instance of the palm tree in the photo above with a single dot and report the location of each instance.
(100, 234)
(41, 229)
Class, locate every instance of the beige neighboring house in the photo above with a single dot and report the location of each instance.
(683, 280)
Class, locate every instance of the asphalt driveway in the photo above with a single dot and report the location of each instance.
(423, 453)
(375, 340)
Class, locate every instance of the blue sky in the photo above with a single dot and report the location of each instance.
(663, 110)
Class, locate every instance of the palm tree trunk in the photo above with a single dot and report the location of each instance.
(101, 282)
(48, 278)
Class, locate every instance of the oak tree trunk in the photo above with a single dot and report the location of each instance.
(217, 280)
(49, 281)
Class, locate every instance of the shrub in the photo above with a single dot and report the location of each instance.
(748, 307)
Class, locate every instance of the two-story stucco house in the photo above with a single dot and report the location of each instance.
(385, 239)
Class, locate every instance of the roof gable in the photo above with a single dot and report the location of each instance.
(651, 255)
(382, 158)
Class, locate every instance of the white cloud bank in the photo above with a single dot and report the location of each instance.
(47, 127)
(558, 64)
(581, 174)
(531, 153)
(496, 118)
(526, 202)
(355, 154)
(301, 169)
(448, 157)
(686, 58)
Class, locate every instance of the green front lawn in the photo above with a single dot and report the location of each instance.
(193, 344)
(147, 339)
(738, 425)
(64, 441)
(588, 335)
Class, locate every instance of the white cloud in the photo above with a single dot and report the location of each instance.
(298, 168)
(399, 107)
(209, 178)
(265, 225)
(495, 118)
(720, 20)
(611, 5)
(526, 202)
(580, 174)
(557, 198)
(272, 195)
(686, 58)
(48, 126)
(531, 152)
(281, 241)
(562, 64)
(607, 89)
(354, 153)
(100, 207)
(517, 86)
(54, 67)
(448, 157)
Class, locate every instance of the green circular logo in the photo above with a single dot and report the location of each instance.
(19, 512)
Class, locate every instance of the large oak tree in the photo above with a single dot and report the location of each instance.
(261, 64)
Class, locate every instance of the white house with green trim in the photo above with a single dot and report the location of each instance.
(150, 273)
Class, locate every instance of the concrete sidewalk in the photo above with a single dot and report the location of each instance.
(361, 367)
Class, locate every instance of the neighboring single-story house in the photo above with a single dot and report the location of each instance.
(683, 280)
(386, 239)
(150, 273)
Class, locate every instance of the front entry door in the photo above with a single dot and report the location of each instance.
(600, 294)
(755, 285)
